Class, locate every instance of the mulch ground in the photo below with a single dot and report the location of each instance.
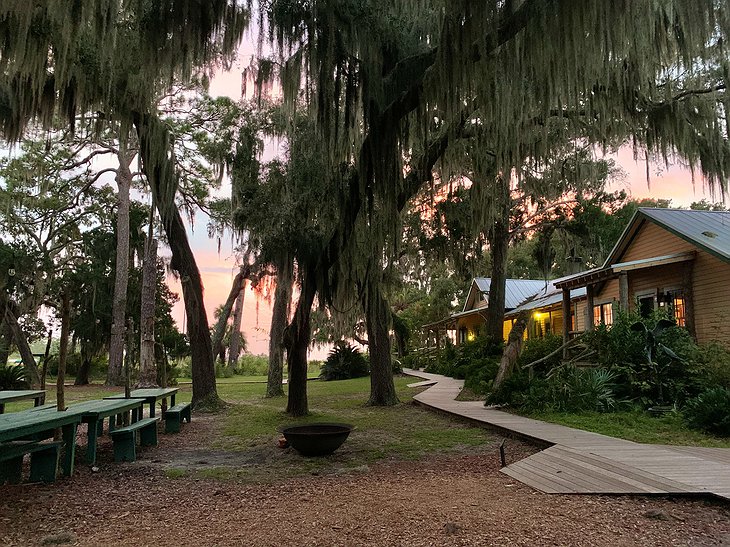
(459, 499)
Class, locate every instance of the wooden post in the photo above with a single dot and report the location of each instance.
(589, 307)
(566, 320)
(623, 291)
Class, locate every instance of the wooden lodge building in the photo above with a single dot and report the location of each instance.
(666, 258)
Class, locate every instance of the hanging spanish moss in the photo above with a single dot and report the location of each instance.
(113, 56)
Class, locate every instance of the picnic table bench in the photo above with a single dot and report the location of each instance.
(7, 396)
(125, 438)
(150, 396)
(30, 425)
(175, 415)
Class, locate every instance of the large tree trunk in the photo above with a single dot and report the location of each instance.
(377, 319)
(147, 364)
(234, 349)
(512, 349)
(115, 374)
(82, 375)
(498, 237)
(160, 171)
(220, 327)
(31, 369)
(6, 339)
(282, 297)
(63, 350)
(297, 338)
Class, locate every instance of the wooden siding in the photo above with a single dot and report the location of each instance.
(710, 280)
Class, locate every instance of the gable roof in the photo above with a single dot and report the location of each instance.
(516, 291)
(708, 230)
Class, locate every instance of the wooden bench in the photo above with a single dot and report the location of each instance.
(43, 460)
(125, 438)
(175, 416)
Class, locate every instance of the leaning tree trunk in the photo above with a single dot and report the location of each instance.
(282, 297)
(115, 374)
(147, 364)
(498, 237)
(46, 355)
(512, 349)
(31, 369)
(220, 327)
(63, 350)
(297, 338)
(234, 349)
(160, 170)
(377, 320)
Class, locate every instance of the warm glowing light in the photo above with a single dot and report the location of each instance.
(470, 336)
(538, 315)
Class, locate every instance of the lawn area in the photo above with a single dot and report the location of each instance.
(635, 426)
(403, 432)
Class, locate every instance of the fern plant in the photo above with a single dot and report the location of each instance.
(12, 377)
(344, 362)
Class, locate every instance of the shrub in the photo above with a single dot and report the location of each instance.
(622, 350)
(710, 411)
(712, 363)
(12, 377)
(252, 365)
(344, 362)
(537, 348)
(223, 371)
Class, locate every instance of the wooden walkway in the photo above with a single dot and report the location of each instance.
(581, 462)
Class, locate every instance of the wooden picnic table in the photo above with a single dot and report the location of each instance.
(94, 412)
(151, 396)
(41, 425)
(7, 396)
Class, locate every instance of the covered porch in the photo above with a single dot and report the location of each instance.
(643, 285)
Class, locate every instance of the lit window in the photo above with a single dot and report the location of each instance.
(603, 314)
(679, 310)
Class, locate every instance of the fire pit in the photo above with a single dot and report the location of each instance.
(316, 439)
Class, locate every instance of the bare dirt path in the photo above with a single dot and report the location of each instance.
(450, 500)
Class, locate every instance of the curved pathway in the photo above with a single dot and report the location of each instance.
(581, 462)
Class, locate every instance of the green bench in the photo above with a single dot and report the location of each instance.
(43, 460)
(125, 438)
(175, 416)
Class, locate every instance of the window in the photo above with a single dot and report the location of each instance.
(603, 314)
(462, 335)
(675, 302)
(646, 305)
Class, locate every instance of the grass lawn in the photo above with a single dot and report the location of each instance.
(401, 432)
(636, 426)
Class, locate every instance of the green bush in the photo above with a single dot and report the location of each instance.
(223, 371)
(710, 411)
(475, 362)
(712, 364)
(252, 365)
(622, 350)
(567, 389)
(12, 377)
(537, 348)
(344, 362)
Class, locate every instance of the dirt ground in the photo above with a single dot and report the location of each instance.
(458, 499)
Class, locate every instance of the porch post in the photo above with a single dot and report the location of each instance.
(589, 307)
(566, 320)
(623, 291)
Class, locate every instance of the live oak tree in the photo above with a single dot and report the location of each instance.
(378, 74)
(112, 57)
